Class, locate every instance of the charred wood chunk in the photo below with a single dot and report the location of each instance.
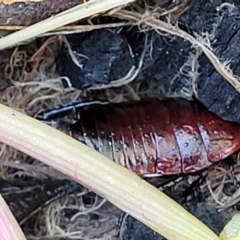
(168, 61)
(205, 213)
(27, 12)
(213, 90)
(173, 62)
(202, 16)
(96, 57)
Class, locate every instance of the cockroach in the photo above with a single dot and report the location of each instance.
(153, 137)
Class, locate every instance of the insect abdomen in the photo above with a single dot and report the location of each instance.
(153, 137)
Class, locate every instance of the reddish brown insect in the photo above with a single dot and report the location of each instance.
(157, 137)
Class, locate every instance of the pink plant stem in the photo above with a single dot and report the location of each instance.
(9, 228)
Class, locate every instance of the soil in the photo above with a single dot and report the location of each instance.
(33, 79)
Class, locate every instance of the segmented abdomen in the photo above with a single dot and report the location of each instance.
(157, 137)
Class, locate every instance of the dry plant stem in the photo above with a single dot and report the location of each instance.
(71, 29)
(115, 183)
(160, 25)
(74, 14)
(9, 228)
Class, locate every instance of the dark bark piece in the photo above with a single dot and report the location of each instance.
(202, 16)
(27, 13)
(169, 63)
(108, 57)
(213, 90)
(176, 76)
(103, 56)
(169, 54)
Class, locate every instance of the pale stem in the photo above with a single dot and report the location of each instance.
(9, 228)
